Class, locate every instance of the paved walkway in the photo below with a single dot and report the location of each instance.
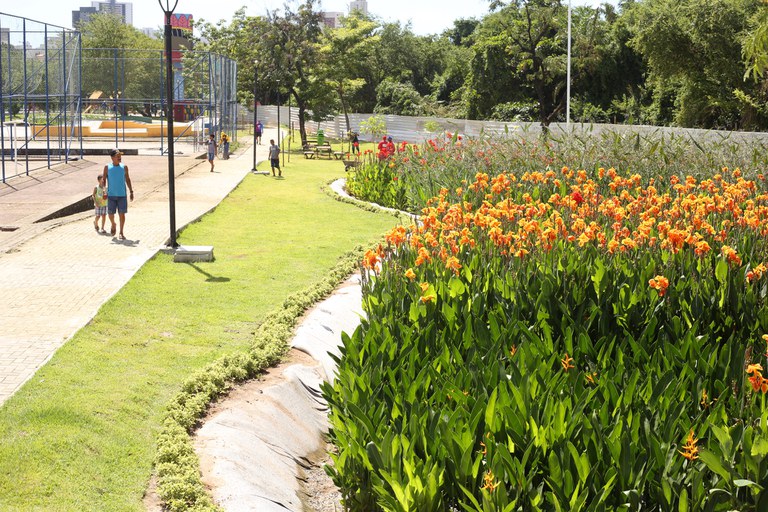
(47, 269)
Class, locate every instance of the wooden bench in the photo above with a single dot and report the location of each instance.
(338, 155)
(351, 165)
(309, 155)
(324, 150)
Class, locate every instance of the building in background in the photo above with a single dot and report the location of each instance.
(332, 19)
(122, 9)
(359, 5)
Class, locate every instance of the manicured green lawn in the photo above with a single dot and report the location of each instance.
(80, 435)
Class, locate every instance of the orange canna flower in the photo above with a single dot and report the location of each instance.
(370, 259)
(660, 284)
(410, 274)
(702, 248)
(730, 255)
(452, 263)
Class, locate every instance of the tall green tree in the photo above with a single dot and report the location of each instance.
(520, 53)
(239, 39)
(693, 52)
(293, 62)
(120, 60)
(342, 51)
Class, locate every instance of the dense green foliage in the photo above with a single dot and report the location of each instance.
(549, 340)
(659, 62)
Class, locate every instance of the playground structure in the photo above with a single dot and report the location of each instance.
(59, 101)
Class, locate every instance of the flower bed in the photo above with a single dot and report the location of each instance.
(561, 340)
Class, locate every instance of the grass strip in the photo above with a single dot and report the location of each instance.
(82, 434)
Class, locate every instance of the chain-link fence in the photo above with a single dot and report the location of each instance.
(39, 94)
(59, 101)
(123, 87)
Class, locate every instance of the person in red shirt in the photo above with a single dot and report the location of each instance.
(382, 147)
(390, 146)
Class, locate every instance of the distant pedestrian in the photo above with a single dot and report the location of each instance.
(211, 149)
(225, 146)
(390, 146)
(116, 178)
(355, 144)
(259, 132)
(274, 157)
(382, 147)
(100, 203)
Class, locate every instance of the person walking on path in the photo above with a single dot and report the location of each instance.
(259, 131)
(116, 178)
(211, 149)
(274, 157)
(100, 203)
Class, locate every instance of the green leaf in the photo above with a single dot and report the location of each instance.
(721, 271)
(760, 447)
(490, 410)
(581, 461)
(741, 482)
(712, 461)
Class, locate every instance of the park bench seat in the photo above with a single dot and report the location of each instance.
(309, 155)
(324, 150)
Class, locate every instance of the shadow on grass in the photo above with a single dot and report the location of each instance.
(210, 278)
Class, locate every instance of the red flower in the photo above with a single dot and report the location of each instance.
(576, 196)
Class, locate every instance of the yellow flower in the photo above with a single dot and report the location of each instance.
(489, 481)
(567, 363)
(410, 274)
(690, 450)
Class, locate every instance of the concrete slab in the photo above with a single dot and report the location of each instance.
(193, 253)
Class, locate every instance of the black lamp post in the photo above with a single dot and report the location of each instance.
(255, 109)
(168, 11)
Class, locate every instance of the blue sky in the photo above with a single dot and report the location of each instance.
(426, 16)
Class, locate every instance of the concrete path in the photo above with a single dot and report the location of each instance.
(47, 269)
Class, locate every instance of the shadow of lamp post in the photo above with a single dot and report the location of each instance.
(168, 11)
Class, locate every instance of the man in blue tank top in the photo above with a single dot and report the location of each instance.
(116, 176)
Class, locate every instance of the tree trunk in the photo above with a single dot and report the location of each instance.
(302, 106)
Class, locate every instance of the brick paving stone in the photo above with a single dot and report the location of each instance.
(46, 268)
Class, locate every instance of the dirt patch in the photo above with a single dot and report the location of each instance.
(152, 502)
(322, 495)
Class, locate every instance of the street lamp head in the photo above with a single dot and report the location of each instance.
(168, 9)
